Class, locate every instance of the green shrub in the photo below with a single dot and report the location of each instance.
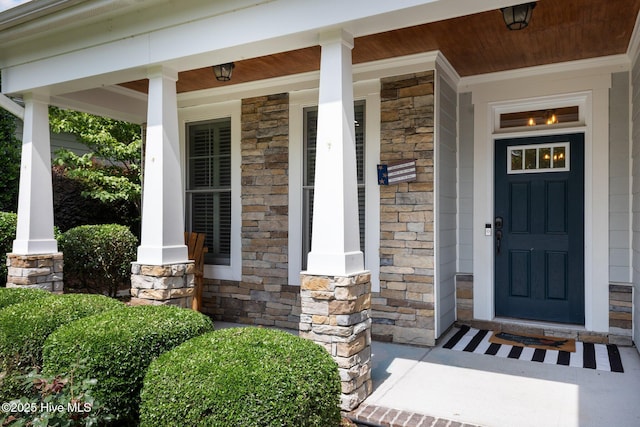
(242, 377)
(98, 257)
(10, 296)
(8, 222)
(24, 328)
(116, 348)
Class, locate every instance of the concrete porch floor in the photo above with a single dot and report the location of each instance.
(473, 389)
(415, 386)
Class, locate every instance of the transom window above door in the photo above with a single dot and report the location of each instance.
(539, 158)
(544, 117)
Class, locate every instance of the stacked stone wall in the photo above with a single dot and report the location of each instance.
(262, 297)
(171, 284)
(403, 310)
(35, 271)
(335, 314)
(464, 297)
(621, 314)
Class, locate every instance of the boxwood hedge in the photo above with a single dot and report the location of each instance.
(115, 348)
(98, 257)
(10, 296)
(25, 326)
(242, 377)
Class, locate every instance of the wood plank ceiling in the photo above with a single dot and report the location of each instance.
(560, 30)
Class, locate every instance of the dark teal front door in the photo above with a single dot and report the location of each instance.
(539, 228)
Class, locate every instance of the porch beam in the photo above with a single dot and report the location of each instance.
(335, 244)
(162, 239)
(11, 106)
(34, 232)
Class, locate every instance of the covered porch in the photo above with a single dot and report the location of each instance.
(397, 263)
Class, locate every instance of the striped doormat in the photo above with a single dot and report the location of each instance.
(587, 355)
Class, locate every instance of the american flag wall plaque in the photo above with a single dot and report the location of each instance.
(395, 173)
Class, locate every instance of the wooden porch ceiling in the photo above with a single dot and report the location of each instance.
(560, 31)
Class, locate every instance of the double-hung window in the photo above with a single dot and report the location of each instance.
(209, 186)
(309, 165)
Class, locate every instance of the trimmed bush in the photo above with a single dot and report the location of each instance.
(24, 327)
(242, 377)
(10, 296)
(115, 348)
(8, 223)
(98, 257)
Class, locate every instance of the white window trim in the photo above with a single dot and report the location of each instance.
(232, 110)
(368, 91)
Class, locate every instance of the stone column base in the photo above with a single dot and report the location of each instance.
(42, 271)
(171, 284)
(335, 314)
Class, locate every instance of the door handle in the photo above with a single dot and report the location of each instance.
(498, 241)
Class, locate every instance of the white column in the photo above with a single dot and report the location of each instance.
(335, 245)
(162, 240)
(34, 232)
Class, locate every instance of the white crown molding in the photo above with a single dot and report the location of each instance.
(634, 44)
(611, 63)
(361, 72)
(449, 73)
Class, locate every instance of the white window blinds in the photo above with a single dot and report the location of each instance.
(209, 186)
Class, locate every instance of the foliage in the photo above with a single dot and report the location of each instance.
(118, 346)
(25, 326)
(242, 377)
(71, 209)
(10, 296)
(55, 401)
(111, 171)
(10, 148)
(8, 223)
(98, 257)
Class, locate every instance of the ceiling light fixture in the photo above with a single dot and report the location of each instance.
(223, 71)
(517, 17)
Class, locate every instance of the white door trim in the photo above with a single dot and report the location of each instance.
(495, 97)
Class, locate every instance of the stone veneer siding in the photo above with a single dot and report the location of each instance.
(263, 296)
(403, 310)
(170, 284)
(36, 271)
(464, 297)
(621, 314)
(335, 314)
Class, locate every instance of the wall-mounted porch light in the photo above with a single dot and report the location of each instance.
(517, 17)
(223, 71)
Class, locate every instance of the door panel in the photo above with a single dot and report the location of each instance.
(556, 281)
(520, 273)
(557, 197)
(520, 195)
(539, 208)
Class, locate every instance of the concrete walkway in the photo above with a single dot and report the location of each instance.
(439, 387)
